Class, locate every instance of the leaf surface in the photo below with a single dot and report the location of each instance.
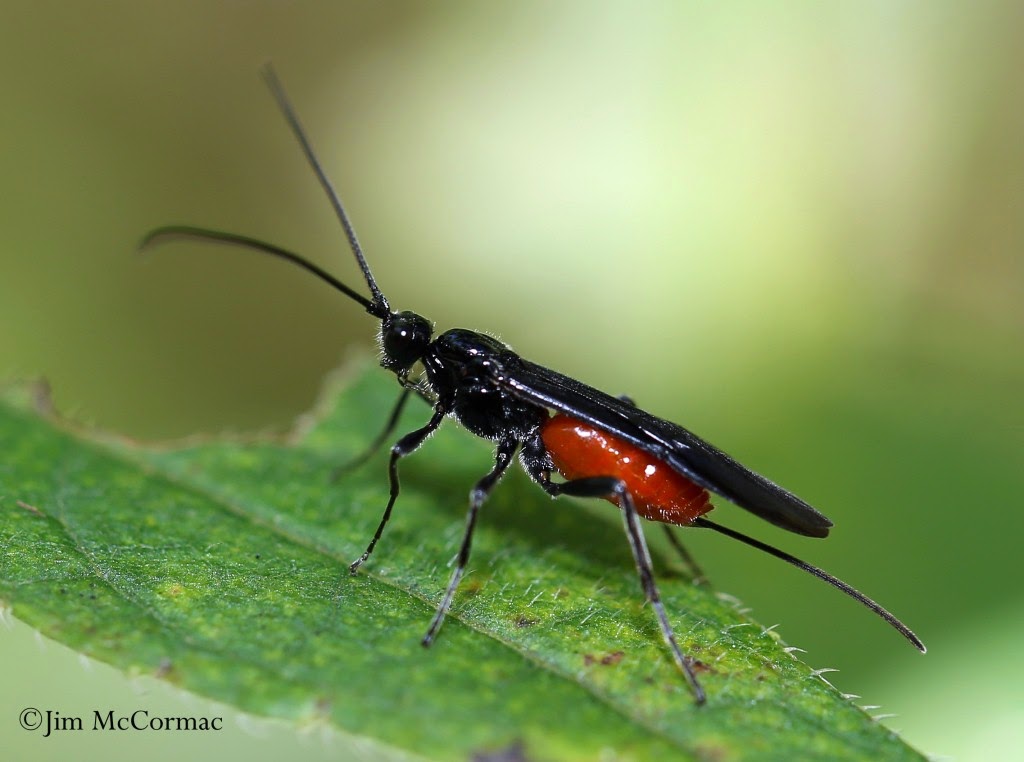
(221, 566)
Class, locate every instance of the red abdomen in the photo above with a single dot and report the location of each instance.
(659, 492)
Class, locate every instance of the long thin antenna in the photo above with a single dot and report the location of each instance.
(277, 90)
(175, 232)
(820, 574)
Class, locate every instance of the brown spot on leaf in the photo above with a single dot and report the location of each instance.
(699, 666)
(514, 752)
(707, 753)
(607, 660)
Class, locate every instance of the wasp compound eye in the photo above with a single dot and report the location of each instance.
(405, 336)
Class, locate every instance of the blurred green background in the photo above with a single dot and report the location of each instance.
(795, 229)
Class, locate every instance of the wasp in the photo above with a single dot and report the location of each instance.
(601, 446)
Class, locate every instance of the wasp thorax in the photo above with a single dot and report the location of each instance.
(405, 337)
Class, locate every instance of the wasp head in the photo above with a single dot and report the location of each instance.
(404, 337)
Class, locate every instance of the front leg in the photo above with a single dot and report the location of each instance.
(403, 447)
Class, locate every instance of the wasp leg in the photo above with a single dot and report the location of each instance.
(403, 447)
(378, 440)
(479, 493)
(696, 573)
(382, 437)
(537, 466)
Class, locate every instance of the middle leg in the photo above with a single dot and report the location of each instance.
(506, 450)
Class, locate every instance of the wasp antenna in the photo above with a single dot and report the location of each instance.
(277, 90)
(178, 232)
(820, 574)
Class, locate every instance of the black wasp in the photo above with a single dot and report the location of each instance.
(603, 446)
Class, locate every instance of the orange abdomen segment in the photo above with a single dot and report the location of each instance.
(659, 492)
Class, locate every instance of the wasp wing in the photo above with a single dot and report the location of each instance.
(688, 454)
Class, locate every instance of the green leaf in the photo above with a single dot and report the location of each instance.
(221, 566)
